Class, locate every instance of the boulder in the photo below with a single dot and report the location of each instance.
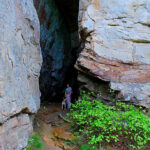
(20, 63)
(116, 37)
(15, 132)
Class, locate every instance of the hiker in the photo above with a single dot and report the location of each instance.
(68, 93)
(63, 104)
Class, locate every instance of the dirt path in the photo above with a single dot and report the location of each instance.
(53, 130)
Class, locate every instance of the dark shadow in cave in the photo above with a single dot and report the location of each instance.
(60, 47)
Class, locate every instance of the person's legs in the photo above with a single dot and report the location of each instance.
(68, 102)
(65, 106)
(62, 106)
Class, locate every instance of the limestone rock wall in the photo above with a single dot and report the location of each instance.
(20, 63)
(14, 133)
(116, 35)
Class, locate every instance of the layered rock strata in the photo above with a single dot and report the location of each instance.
(116, 36)
(20, 63)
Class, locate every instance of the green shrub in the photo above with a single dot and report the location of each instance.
(35, 143)
(100, 123)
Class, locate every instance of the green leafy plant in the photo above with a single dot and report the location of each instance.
(122, 124)
(99, 94)
(35, 143)
(75, 141)
(88, 147)
(111, 91)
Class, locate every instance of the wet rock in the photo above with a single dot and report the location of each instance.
(52, 117)
(20, 63)
(61, 133)
(116, 45)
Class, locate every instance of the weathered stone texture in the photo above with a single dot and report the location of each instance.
(117, 45)
(20, 63)
(15, 132)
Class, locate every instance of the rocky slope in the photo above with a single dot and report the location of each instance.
(20, 63)
(116, 35)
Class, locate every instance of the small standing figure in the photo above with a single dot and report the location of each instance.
(68, 93)
(63, 104)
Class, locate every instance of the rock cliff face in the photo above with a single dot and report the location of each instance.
(116, 36)
(59, 44)
(20, 63)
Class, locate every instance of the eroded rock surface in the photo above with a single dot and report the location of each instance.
(20, 63)
(15, 132)
(117, 45)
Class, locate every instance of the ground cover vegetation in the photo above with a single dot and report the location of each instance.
(35, 143)
(121, 125)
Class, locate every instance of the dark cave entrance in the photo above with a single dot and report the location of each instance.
(60, 47)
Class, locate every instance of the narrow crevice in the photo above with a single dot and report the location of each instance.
(138, 40)
(144, 24)
(23, 111)
(60, 47)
